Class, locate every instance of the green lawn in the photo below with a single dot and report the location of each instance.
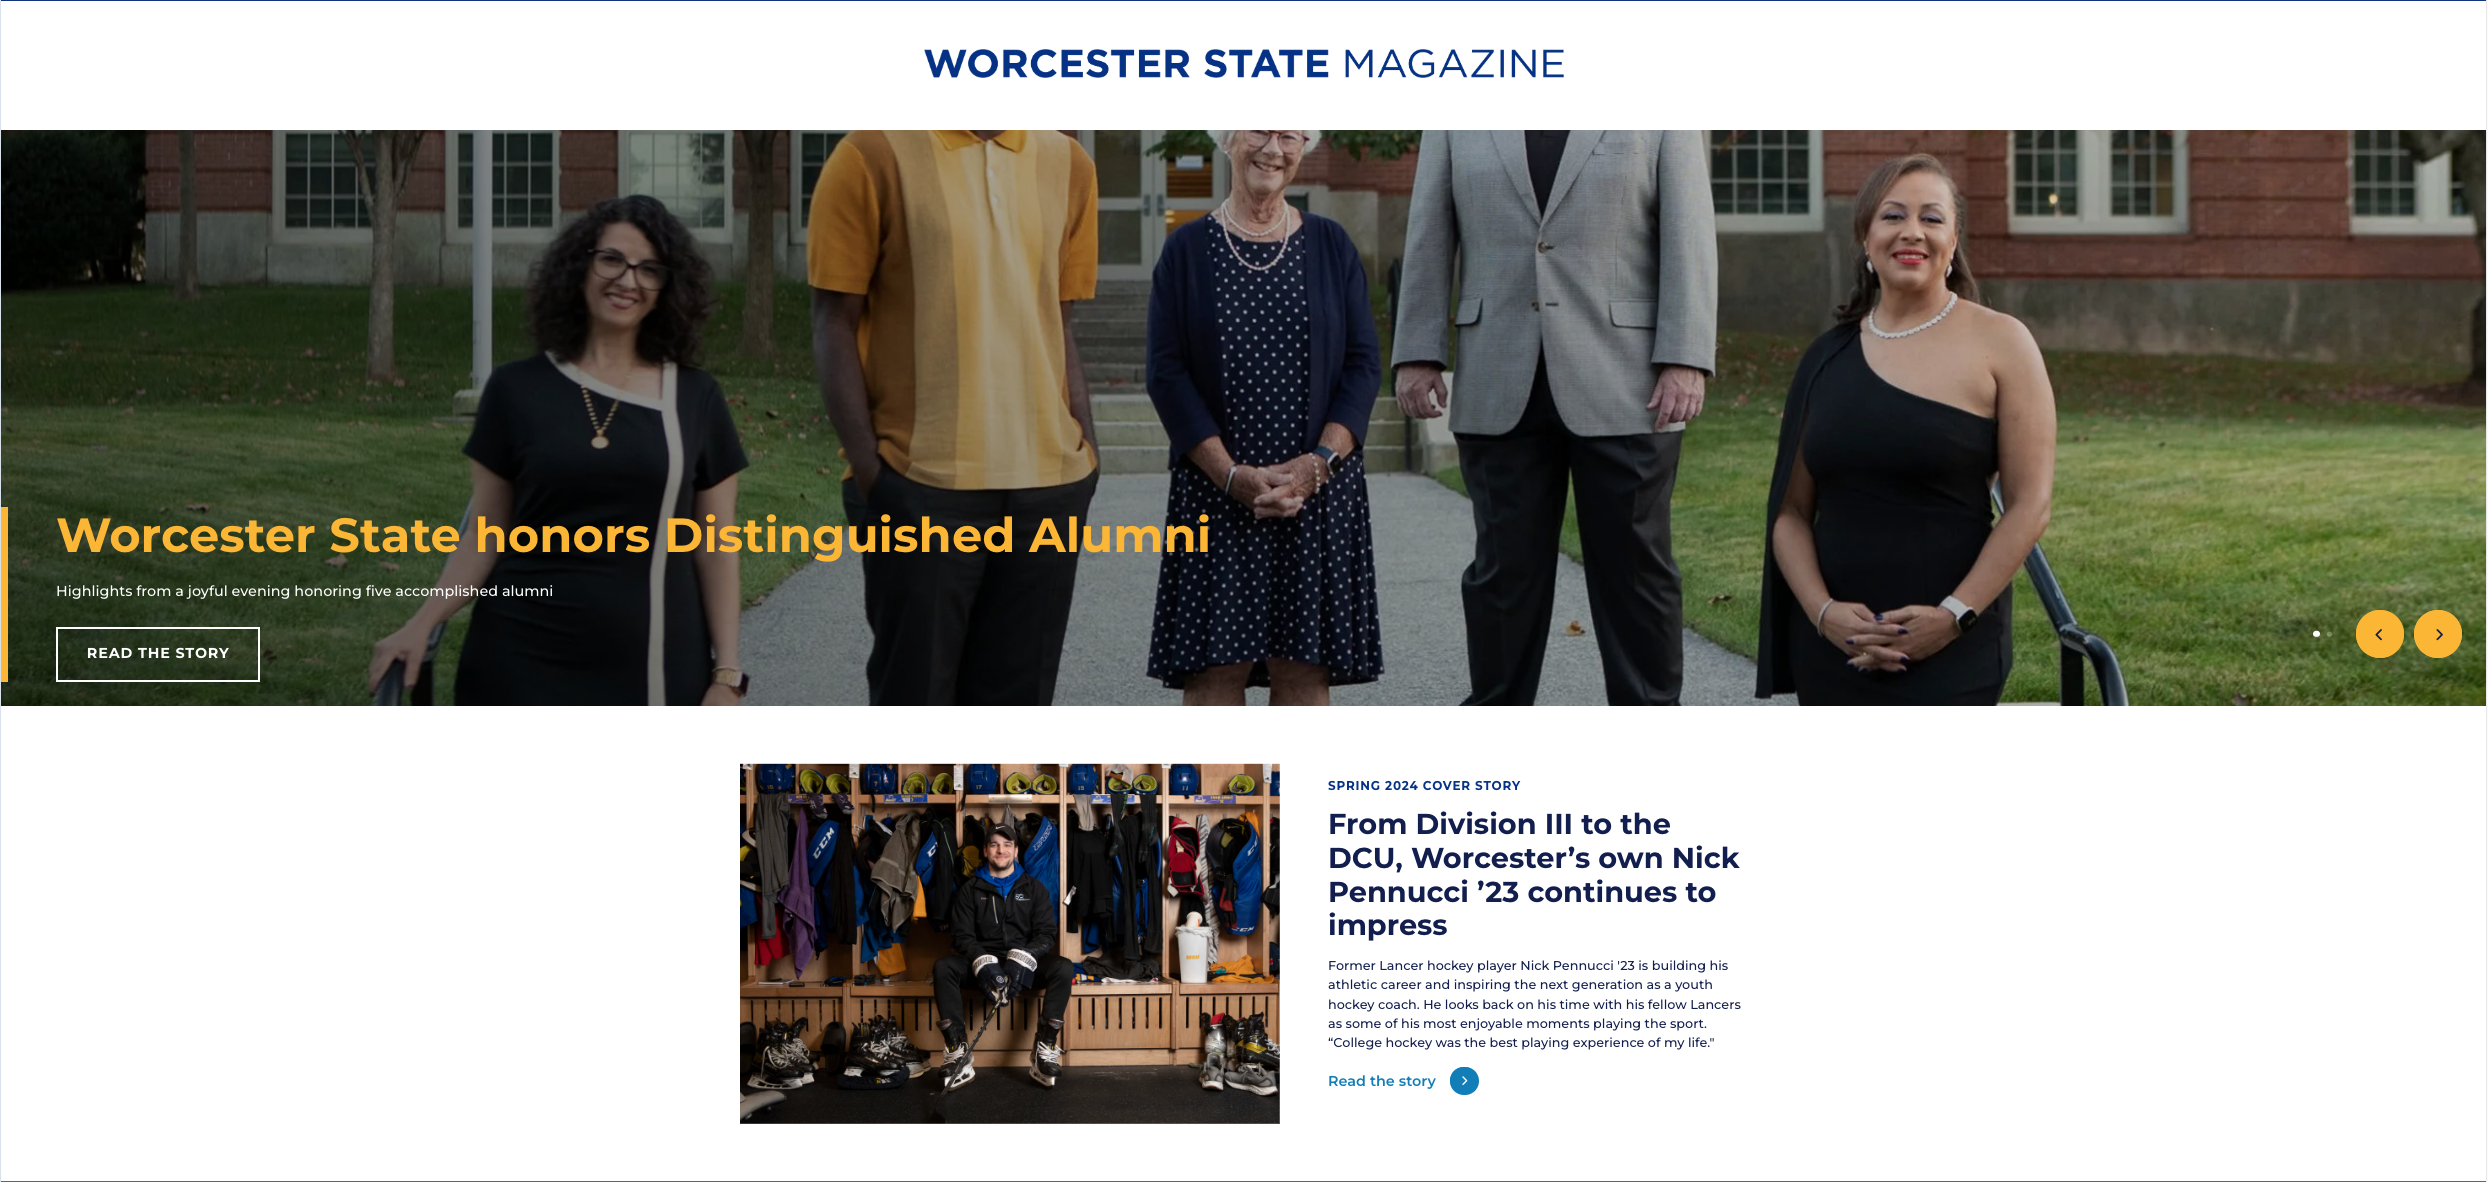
(121, 402)
(2211, 514)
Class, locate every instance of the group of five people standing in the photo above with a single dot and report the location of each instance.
(1572, 276)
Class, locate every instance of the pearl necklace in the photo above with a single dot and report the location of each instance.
(1235, 222)
(1230, 235)
(1877, 329)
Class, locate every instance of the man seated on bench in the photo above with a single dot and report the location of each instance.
(1003, 938)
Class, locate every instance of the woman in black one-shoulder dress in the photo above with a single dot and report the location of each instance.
(1887, 580)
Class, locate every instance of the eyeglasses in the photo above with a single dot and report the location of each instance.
(1290, 143)
(612, 264)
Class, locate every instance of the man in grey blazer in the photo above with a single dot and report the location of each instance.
(1588, 307)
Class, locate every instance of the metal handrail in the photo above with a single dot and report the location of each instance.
(2075, 644)
(393, 691)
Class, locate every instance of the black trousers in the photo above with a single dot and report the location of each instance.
(968, 629)
(1517, 482)
(950, 975)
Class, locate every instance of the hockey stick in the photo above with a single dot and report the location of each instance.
(934, 1105)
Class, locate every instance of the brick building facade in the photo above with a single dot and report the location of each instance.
(2316, 244)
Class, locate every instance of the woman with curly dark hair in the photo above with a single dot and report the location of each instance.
(579, 455)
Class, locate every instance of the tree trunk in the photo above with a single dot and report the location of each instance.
(392, 153)
(382, 329)
(186, 266)
(760, 245)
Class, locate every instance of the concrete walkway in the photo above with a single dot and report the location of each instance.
(807, 643)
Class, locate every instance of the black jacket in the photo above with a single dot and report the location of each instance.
(983, 922)
(1135, 930)
(1092, 880)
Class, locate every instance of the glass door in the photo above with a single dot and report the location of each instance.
(1140, 197)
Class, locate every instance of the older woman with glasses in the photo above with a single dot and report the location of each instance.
(579, 455)
(1263, 364)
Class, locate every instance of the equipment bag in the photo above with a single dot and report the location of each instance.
(1183, 867)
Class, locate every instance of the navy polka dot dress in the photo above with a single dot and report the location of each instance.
(1295, 588)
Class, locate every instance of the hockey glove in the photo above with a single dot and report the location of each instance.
(992, 977)
(1023, 968)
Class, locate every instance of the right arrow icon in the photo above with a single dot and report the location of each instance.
(2437, 634)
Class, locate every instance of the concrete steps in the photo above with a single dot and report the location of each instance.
(1114, 340)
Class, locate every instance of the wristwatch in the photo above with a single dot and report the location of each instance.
(1332, 461)
(733, 679)
(1964, 616)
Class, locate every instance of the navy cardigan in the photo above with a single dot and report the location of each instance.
(1184, 377)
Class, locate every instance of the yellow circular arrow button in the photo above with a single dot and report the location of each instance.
(2437, 633)
(2380, 633)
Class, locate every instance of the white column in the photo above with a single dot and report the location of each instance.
(482, 264)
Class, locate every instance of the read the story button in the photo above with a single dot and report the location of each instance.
(166, 653)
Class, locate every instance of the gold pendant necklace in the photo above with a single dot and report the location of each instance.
(600, 443)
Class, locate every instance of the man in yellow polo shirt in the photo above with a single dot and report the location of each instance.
(943, 266)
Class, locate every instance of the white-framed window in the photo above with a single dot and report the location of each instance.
(1767, 181)
(2098, 182)
(316, 197)
(2390, 193)
(692, 172)
(812, 149)
(526, 180)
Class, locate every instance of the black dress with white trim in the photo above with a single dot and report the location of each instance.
(586, 606)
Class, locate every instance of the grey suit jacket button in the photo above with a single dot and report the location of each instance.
(1543, 248)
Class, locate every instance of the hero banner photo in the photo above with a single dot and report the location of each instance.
(1302, 398)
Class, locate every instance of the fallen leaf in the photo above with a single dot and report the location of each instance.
(339, 562)
(391, 567)
(1723, 598)
(821, 471)
(773, 414)
(2241, 700)
(310, 353)
(1574, 629)
(754, 601)
(196, 506)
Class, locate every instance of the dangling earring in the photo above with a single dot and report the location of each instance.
(1870, 266)
(1953, 266)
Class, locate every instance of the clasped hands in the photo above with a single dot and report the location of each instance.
(1279, 490)
(1887, 642)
